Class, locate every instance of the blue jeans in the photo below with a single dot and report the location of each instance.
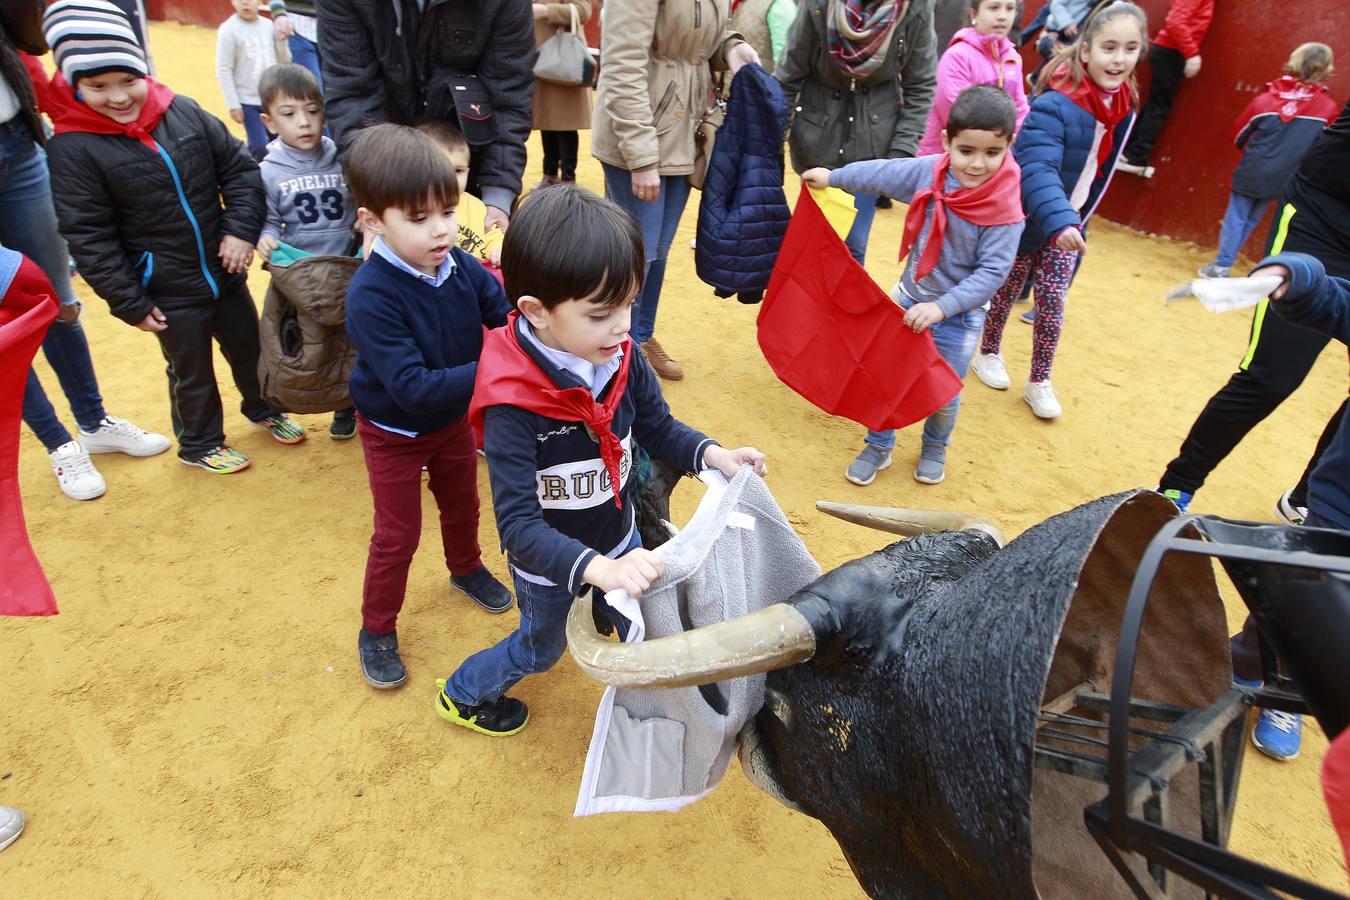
(257, 132)
(305, 52)
(658, 220)
(532, 648)
(866, 205)
(28, 225)
(956, 339)
(1239, 220)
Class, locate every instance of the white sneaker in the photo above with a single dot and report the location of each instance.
(116, 435)
(1040, 396)
(989, 368)
(1141, 171)
(75, 472)
(11, 825)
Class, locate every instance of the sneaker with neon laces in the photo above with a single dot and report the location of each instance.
(1040, 396)
(11, 825)
(502, 717)
(222, 460)
(115, 435)
(989, 368)
(381, 665)
(863, 470)
(75, 472)
(282, 427)
(1180, 499)
(1278, 734)
(1288, 511)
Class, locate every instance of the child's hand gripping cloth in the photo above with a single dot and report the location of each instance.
(660, 750)
(837, 339)
(27, 307)
(306, 357)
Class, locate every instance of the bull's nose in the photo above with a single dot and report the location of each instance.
(778, 706)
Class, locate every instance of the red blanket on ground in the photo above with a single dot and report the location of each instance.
(837, 339)
(24, 317)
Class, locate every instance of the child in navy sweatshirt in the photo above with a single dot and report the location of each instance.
(562, 398)
(416, 312)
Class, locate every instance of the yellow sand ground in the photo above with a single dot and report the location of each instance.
(194, 722)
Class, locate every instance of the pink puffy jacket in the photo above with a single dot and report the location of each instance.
(973, 58)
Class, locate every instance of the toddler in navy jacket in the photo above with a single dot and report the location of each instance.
(416, 311)
(562, 398)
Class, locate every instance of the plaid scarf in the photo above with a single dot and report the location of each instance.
(858, 37)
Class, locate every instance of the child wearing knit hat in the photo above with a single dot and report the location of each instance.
(161, 207)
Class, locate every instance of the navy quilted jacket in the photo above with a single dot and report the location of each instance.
(744, 214)
(1052, 148)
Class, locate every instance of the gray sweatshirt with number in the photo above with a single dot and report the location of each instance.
(308, 204)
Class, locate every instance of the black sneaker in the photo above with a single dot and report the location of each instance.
(484, 590)
(379, 660)
(502, 717)
(344, 425)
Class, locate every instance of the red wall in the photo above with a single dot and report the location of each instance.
(1247, 44)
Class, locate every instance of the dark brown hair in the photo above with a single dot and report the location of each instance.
(395, 165)
(443, 133)
(566, 243)
(982, 107)
(1070, 58)
(288, 80)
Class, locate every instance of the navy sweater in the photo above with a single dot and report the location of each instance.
(417, 346)
(553, 499)
(1317, 301)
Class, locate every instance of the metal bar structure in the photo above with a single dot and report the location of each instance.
(1147, 744)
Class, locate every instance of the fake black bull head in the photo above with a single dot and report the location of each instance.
(905, 691)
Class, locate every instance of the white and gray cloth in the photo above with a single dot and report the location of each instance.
(660, 750)
(244, 50)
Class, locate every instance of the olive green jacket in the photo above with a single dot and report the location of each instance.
(837, 120)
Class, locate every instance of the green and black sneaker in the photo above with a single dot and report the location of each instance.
(502, 717)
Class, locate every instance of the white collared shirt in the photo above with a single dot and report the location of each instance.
(443, 271)
(596, 377)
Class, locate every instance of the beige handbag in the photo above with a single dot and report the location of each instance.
(564, 58)
(705, 136)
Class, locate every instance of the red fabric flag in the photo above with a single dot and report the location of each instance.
(1336, 787)
(27, 307)
(837, 339)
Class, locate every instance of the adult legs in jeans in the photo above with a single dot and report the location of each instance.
(305, 52)
(658, 220)
(67, 352)
(532, 648)
(560, 154)
(1239, 220)
(1168, 69)
(856, 241)
(255, 131)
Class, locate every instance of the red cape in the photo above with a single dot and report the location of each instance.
(27, 308)
(837, 339)
(507, 375)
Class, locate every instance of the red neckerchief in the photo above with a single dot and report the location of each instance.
(508, 375)
(998, 201)
(1095, 100)
(69, 114)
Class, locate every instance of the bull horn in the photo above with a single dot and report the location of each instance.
(910, 522)
(771, 638)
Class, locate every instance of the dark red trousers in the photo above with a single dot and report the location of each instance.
(394, 463)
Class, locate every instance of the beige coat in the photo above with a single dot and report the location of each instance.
(558, 107)
(654, 80)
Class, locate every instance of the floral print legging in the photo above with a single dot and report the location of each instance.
(1051, 271)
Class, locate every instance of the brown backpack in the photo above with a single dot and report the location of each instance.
(306, 354)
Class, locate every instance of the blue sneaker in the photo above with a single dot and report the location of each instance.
(1181, 500)
(1278, 734)
(1029, 316)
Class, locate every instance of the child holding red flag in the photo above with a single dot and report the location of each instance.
(961, 233)
(1067, 149)
(561, 397)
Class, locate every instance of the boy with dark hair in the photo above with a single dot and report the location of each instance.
(483, 244)
(415, 311)
(161, 207)
(562, 398)
(961, 233)
(308, 204)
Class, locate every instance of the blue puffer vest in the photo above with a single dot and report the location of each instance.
(744, 214)
(1052, 148)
